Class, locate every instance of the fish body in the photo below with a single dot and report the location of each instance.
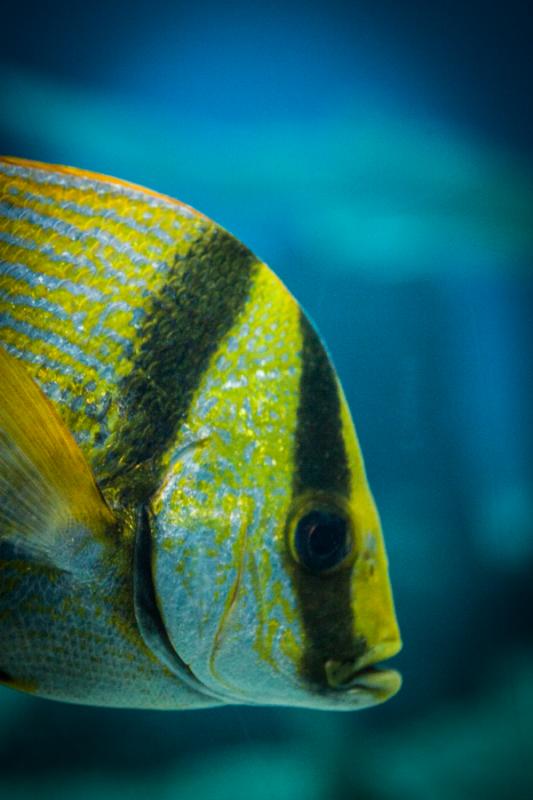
(185, 519)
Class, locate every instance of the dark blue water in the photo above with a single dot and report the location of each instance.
(379, 156)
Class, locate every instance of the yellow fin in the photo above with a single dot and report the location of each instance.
(50, 505)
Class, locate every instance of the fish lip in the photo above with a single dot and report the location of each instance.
(376, 680)
(364, 673)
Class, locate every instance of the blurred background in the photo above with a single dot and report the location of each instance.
(379, 156)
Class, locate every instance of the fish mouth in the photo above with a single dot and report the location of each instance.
(365, 675)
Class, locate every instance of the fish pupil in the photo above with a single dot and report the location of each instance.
(321, 540)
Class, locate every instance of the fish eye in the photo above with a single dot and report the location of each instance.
(322, 540)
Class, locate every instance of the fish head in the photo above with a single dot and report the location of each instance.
(268, 562)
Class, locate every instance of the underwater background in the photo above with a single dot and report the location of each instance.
(379, 156)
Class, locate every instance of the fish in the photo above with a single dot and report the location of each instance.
(185, 518)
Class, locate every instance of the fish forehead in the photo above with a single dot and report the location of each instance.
(220, 517)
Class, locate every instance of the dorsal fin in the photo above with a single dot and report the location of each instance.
(50, 506)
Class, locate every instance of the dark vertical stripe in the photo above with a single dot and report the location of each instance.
(196, 307)
(321, 465)
(321, 461)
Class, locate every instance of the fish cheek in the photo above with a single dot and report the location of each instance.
(194, 568)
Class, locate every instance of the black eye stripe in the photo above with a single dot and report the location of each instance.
(322, 540)
(321, 467)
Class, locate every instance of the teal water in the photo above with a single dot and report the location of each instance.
(381, 161)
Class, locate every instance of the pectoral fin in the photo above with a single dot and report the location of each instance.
(50, 505)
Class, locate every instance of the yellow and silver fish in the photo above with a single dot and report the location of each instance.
(185, 519)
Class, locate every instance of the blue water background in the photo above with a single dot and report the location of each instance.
(379, 156)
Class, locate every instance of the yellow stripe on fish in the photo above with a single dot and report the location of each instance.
(232, 552)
